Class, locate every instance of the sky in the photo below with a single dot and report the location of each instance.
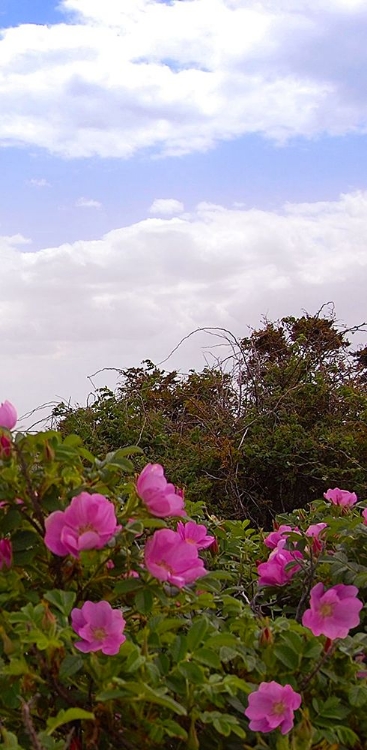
(172, 165)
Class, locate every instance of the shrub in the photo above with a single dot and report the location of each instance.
(257, 435)
(105, 647)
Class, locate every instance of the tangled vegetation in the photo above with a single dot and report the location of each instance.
(258, 433)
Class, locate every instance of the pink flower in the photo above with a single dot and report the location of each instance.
(332, 612)
(18, 501)
(272, 706)
(169, 558)
(88, 523)
(100, 627)
(273, 572)
(161, 499)
(314, 531)
(8, 415)
(364, 514)
(341, 497)
(195, 533)
(272, 540)
(6, 553)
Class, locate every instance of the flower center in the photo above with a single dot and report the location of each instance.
(278, 708)
(99, 634)
(84, 529)
(326, 609)
(165, 566)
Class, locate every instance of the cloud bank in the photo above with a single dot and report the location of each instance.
(174, 78)
(133, 294)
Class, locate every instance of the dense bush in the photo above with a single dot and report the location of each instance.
(256, 435)
(177, 658)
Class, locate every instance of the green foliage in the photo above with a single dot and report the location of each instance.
(257, 435)
(191, 656)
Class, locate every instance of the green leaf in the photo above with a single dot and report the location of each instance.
(10, 741)
(127, 585)
(312, 650)
(346, 736)
(179, 648)
(294, 641)
(134, 661)
(222, 639)
(173, 729)
(157, 696)
(154, 523)
(208, 658)
(130, 450)
(227, 653)
(10, 520)
(118, 459)
(84, 453)
(196, 633)
(72, 441)
(287, 656)
(64, 717)
(62, 600)
(192, 672)
(144, 601)
(357, 695)
(70, 666)
(24, 540)
(332, 709)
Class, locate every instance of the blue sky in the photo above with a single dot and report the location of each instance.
(166, 166)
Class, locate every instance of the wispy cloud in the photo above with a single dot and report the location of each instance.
(39, 182)
(88, 203)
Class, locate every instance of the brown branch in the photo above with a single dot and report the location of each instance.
(28, 724)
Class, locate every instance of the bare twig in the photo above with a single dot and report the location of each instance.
(28, 723)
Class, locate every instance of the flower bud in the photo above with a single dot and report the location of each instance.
(214, 547)
(266, 637)
(8, 415)
(5, 447)
(6, 553)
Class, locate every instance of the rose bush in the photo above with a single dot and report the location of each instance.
(125, 623)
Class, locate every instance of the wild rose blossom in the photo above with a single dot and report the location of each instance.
(273, 572)
(314, 532)
(364, 514)
(315, 529)
(195, 533)
(272, 540)
(88, 523)
(6, 553)
(18, 501)
(169, 558)
(99, 626)
(341, 497)
(272, 706)
(8, 415)
(333, 612)
(161, 498)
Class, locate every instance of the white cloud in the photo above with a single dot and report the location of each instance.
(176, 78)
(14, 240)
(69, 310)
(166, 207)
(87, 203)
(39, 183)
